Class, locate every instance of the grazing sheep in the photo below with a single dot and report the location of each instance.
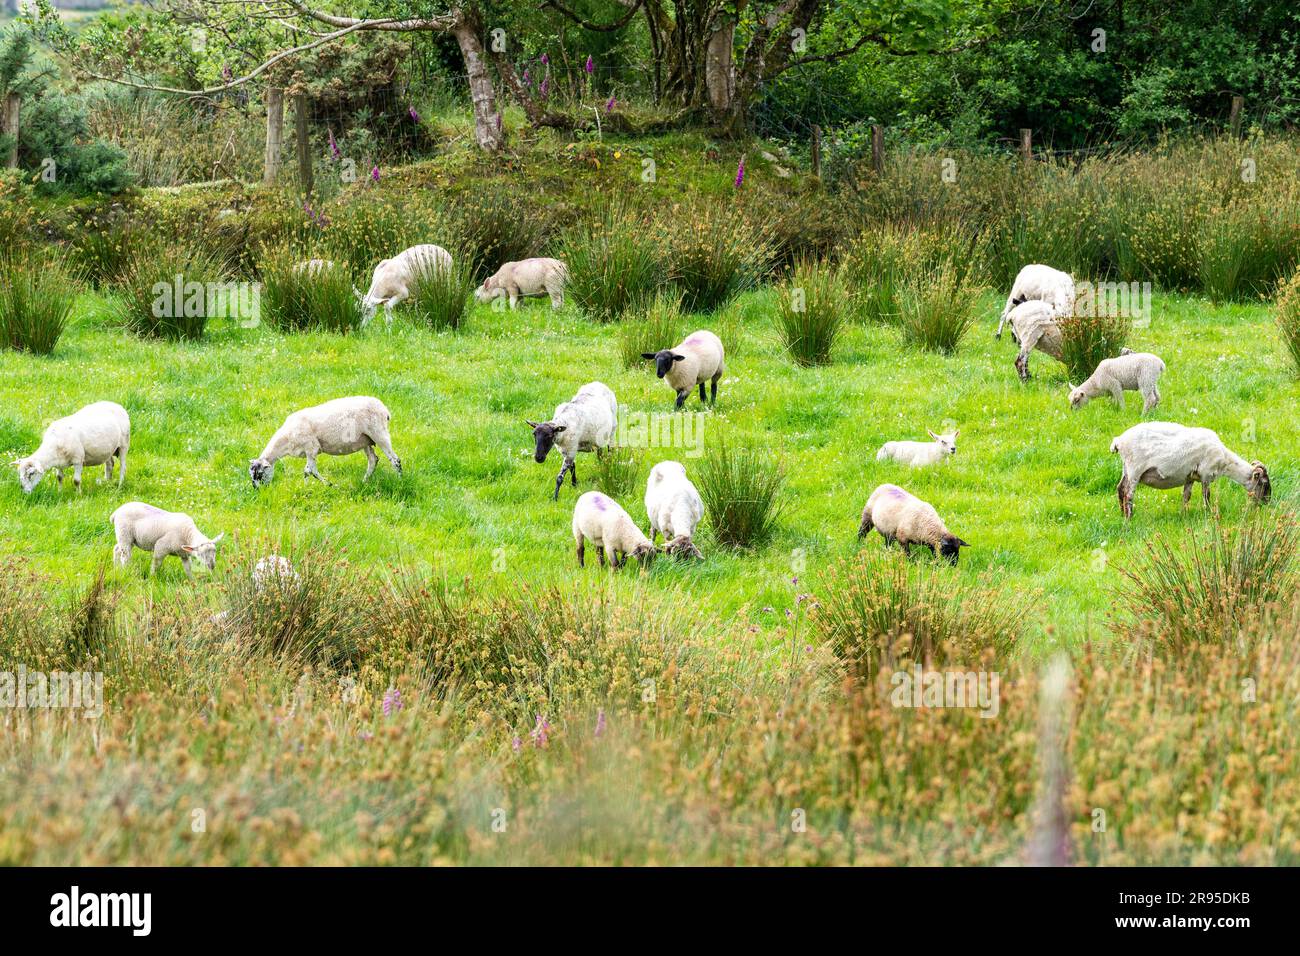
(903, 518)
(919, 453)
(1134, 371)
(395, 279)
(274, 568)
(138, 525)
(91, 436)
(339, 427)
(1167, 455)
(699, 358)
(587, 422)
(524, 278)
(674, 508)
(1039, 283)
(1034, 326)
(600, 519)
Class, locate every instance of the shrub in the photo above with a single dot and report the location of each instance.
(37, 296)
(441, 295)
(810, 313)
(617, 471)
(875, 268)
(938, 308)
(714, 252)
(102, 247)
(1288, 318)
(613, 266)
(655, 325)
(298, 300)
(1087, 339)
(1211, 584)
(146, 294)
(742, 489)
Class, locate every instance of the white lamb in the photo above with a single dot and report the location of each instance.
(904, 519)
(587, 422)
(1134, 371)
(524, 278)
(674, 507)
(1040, 283)
(339, 427)
(138, 525)
(91, 436)
(1167, 455)
(395, 279)
(602, 521)
(1034, 326)
(920, 453)
(699, 358)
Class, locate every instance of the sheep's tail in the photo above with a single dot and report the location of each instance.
(880, 455)
(1114, 447)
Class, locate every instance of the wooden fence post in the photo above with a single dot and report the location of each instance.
(9, 127)
(301, 106)
(1027, 145)
(1234, 117)
(274, 135)
(817, 151)
(878, 149)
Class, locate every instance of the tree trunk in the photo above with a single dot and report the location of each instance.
(488, 132)
(274, 135)
(720, 70)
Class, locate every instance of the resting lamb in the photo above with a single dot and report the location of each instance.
(395, 279)
(91, 436)
(524, 278)
(1167, 455)
(674, 507)
(601, 520)
(138, 525)
(339, 427)
(905, 519)
(1043, 284)
(920, 453)
(586, 422)
(1132, 371)
(699, 358)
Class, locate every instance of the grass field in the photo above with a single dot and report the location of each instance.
(1032, 486)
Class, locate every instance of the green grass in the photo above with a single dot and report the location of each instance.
(1032, 488)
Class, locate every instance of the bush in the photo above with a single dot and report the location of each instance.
(146, 294)
(37, 296)
(441, 295)
(1087, 339)
(938, 308)
(876, 267)
(299, 300)
(656, 325)
(714, 252)
(101, 247)
(1288, 318)
(810, 313)
(742, 493)
(613, 266)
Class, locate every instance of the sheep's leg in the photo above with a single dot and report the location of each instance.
(108, 470)
(866, 526)
(1150, 399)
(616, 560)
(573, 472)
(1125, 492)
(1205, 492)
(1187, 492)
(703, 399)
(681, 397)
(559, 479)
(1022, 365)
(121, 465)
(581, 549)
(557, 299)
(311, 471)
(386, 446)
(371, 460)
(1117, 393)
(122, 553)
(58, 477)
(76, 477)
(185, 563)
(713, 388)
(600, 553)
(159, 556)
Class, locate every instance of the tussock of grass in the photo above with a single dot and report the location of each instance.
(742, 489)
(37, 296)
(811, 313)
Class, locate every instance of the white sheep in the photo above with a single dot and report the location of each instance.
(395, 279)
(1134, 371)
(1167, 455)
(91, 436)
(699, 358)
(339, 427)
(1034, 325)
(904, 519)
(599, 519)
(523, 278)
(138, 525)
(674, 508)
(274, 569)
(1043, 284)
(587, 422)
(920, 453)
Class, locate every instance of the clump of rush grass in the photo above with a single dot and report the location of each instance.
(938, 307)
(300, 298)
(1246, 248)
(657, 324)
(441, 296)
(1288, 318)
(1211, 584)
(811, 312)
(1088, 337)
(169, 290)
(37, 295)
(743, 492)
(613, 266)
(714, 252)
(617, 470)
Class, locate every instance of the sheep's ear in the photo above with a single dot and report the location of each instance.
(533, 425)
(956, 433)
(932, 434)
(961, 543)
(649, 355)
(218, 537)
(561, 428)
(678, 358)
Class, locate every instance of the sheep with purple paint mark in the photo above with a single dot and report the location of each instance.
(599, 519)
(906, 520)
(698, 359)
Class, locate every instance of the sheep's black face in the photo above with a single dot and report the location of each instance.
(544, 435)
(663, 360)
(644, 554)
(949, 547)
(1259, 487)
(260, 471)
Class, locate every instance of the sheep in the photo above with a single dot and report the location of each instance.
(339, 427)
(395, 279)
(674, 508)
(274, 569)
(1042, 284)
(91, 436)
(600, 519)
(1134, 371)
(138, 525)
(587, 422)
(524, 278)
(1034, 326)
(920, 453)
(698, 358)
(904, 519)
(1166, 455)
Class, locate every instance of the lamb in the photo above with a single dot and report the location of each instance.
(585, 423)
(674, 508)
(395, 279)
(903, 518)
(600, 519)
(1166, 455)
(1034, 325)
(698, 358)
(1134, 371)
(339, 427)
(138, 525)
(91, 436)
(920, 453)
(1039, 283)
(524, 278)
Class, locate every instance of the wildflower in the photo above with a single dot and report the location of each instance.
(600, 721)
(609, 105)
(794, 580)
(546, 87)
(590, 67)
(541, 732)
(516, 745)
(374, 174)
(545, 60)
(768, 609)
(789, 613)
(415, 117)
(392, 701)
(334, 148)
(528, 80)
(740, 172)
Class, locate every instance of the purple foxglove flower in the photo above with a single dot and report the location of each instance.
(609, 105)
(528, 80)
(374, 174)
(540, 732)
(590, 67)
(334, 148)
(545, 60)
(415, 117)
(392, 701)
(600, 722)
(546, 87)
(740, 172)
(516, 745)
